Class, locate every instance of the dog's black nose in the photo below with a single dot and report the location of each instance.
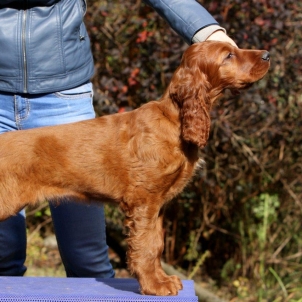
(265, 56)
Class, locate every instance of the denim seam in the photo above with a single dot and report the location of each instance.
(27, 109)
(18, 118)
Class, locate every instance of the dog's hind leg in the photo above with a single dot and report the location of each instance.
(145, 247)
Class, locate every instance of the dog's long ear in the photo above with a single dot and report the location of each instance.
(188, 89)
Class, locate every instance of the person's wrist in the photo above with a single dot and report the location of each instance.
(204, 33)
(220, 35)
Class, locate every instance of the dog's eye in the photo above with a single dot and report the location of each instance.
(230, 55)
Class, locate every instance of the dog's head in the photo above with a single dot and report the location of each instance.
(206, 70)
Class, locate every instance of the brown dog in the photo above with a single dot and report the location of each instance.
(139, 159)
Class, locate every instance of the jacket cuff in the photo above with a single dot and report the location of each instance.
(205, 32)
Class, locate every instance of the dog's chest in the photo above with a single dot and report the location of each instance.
(184, 175)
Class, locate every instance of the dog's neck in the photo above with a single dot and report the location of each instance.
(170, 109)
(172, 112)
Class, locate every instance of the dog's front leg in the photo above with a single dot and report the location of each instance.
(145, 247)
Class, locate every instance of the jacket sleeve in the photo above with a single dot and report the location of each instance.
(186, 17)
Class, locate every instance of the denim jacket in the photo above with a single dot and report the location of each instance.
(44, 45)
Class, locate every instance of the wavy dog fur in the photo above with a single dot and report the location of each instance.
(139, 159)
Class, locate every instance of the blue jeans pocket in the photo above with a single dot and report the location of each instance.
(80, 92)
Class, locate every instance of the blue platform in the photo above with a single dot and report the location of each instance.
(46, 289)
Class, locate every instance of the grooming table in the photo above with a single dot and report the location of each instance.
(47, 289)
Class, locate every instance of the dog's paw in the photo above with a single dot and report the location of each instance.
(169, 286)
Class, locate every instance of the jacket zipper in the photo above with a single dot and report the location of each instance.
(24, 20)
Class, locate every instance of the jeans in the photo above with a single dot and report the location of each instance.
(80, 229)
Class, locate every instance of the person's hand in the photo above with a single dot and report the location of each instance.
(220, 35)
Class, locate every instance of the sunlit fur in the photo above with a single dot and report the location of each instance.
(139, 160)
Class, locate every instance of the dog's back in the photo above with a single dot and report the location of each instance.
(110, 158)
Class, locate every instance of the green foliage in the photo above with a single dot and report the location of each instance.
(192, 253)
(199, 263)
